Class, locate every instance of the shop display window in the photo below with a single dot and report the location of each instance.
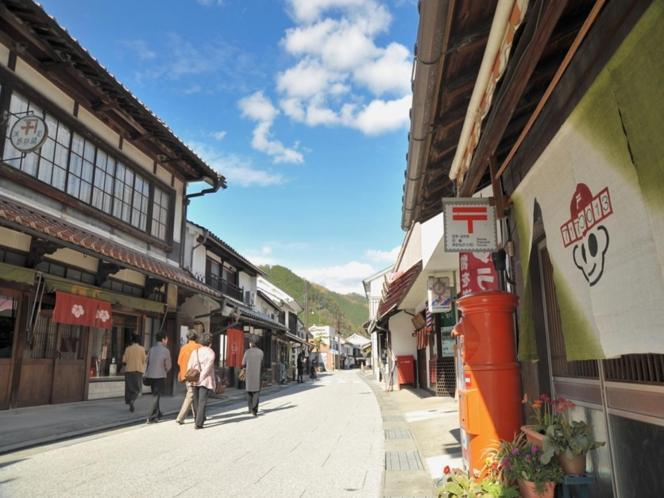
(108, 345)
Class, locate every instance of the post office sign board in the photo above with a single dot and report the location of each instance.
(470, 225)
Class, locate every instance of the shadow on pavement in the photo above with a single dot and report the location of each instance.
(12, 462)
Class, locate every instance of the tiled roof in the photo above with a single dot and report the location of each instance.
(62, 48)
(398, 288)
(44, 225)
(232, 252)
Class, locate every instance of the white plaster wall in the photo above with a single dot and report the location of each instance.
(131, 276)
(413, 250)
(75, 258)
(14, 239)
(402, 341)
(432, 233)
(138, 157)
(35, 79)
(247, 282)
(177, 215)
(4, 55)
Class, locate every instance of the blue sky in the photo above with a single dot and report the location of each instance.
(301, 104)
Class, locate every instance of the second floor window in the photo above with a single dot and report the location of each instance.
(75, 165)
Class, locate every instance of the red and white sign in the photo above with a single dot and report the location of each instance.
(470, 225)
(28, 133)
(586, 211)
(79, 310)
(477, 273)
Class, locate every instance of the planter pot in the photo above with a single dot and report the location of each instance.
(528, 490)
(534, 437)
(575, 465)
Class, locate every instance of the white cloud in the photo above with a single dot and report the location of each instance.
(140, 49)
(219, 135)
(379, 256)
(340, 76)
(259, 108)
(237, 170)
(208, 3)
(343, 278)
(266, 250)
(305, 80)
(381, 116)
(389, 73)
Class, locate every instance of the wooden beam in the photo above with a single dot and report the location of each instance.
(590, 20)
(542, 19)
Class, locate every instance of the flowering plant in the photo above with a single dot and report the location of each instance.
(560, 435)
(487, 484)
(520, 460)
(547, 411)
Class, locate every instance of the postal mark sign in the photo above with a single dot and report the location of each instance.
(470, 225)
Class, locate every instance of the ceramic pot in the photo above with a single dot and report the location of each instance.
(535, 438)
(528, 489)
(575, 465)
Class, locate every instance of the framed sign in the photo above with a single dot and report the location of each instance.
(28, 133)
(440, 294)
(470, 225)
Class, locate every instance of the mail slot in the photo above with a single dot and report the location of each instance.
(489, 397)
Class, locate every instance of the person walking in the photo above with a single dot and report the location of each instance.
(202, 359)
(134, 367)
(183, 362)
(158, 366)
(300, 367)
(252, 362)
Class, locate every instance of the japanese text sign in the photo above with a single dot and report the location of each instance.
(477, 273)
(470, 225)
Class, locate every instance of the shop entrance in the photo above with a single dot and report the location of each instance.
(53, 363)
(422, 371)
(9, 313)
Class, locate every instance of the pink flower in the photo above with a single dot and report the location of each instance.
(446, 469)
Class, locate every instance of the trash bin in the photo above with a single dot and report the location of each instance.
(406, 369)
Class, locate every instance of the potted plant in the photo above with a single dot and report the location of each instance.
(456, 483)
(570, 441)
(520, 460)
(557, 435)
(545, 412)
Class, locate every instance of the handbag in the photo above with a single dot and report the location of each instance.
(147, 381)
(193, 374)
(242, 375)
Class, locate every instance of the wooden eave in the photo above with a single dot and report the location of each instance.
(38, 39)
(456, 89)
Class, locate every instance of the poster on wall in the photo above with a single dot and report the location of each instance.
(440, 294)
(477, 273)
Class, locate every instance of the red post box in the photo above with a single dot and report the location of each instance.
(489, 397)
(406, 369)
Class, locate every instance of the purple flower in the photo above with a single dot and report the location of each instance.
(534, 450)
(515, 451)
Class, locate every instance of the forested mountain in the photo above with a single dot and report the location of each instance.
(345, 312)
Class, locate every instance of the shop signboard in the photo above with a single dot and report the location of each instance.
(28, 133)
(477, 273)
(469, 225)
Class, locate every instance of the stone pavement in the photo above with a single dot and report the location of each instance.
(421, 438)
(318, 439)
(32, 426)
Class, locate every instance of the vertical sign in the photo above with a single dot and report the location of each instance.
(477, 273)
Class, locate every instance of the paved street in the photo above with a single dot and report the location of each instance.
(322, 439)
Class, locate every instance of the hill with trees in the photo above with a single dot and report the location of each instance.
(344, 312)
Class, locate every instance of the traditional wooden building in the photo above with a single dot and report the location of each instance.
(92, 215)
(558, 106)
